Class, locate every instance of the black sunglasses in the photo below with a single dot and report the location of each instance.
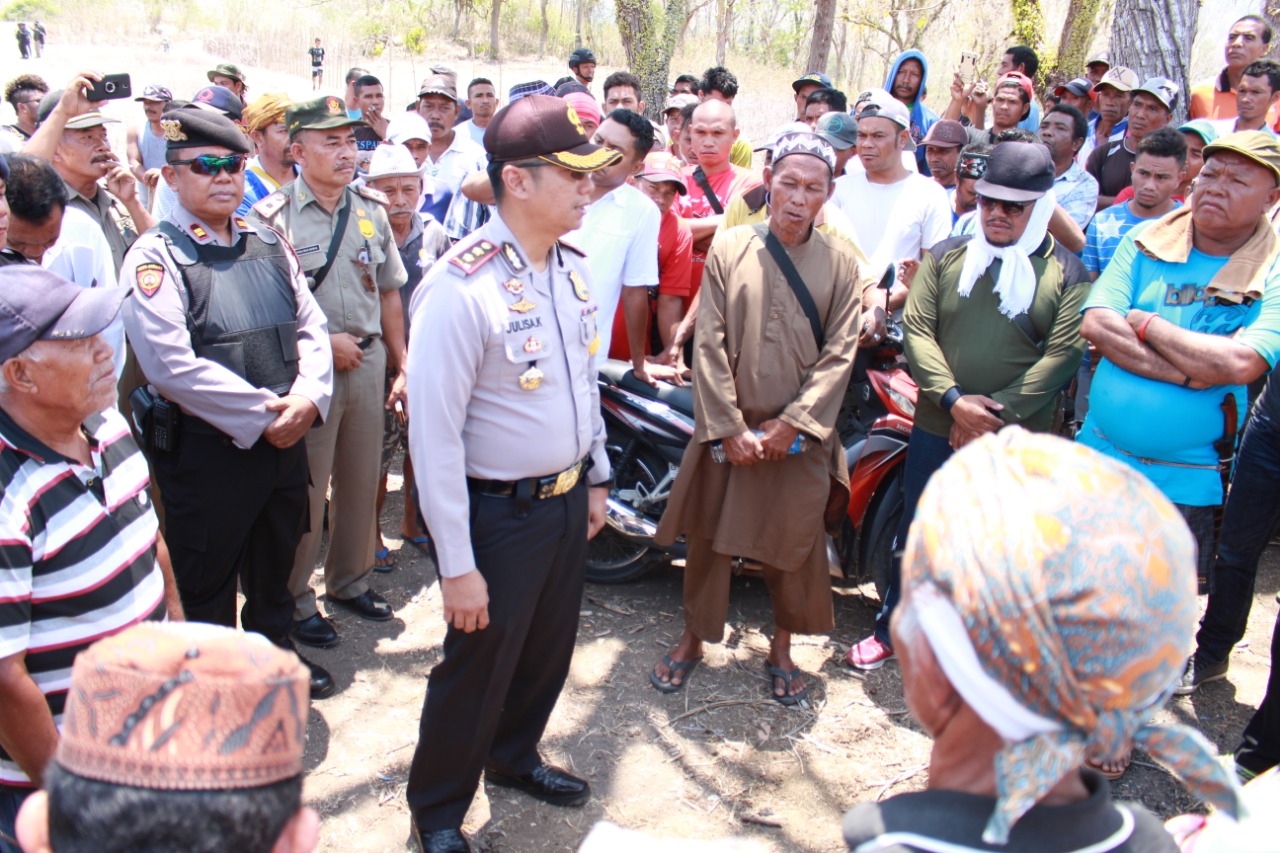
(209, 165)
(1010, 208)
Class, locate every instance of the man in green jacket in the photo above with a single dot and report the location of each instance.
(992, 335)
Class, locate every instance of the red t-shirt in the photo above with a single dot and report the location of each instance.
(732, 181)
(675, 266)
(1126, 194)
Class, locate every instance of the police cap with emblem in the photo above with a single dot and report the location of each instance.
(322, 113)
(541, 127)
(195, 128)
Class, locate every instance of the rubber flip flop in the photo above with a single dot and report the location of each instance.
(786, 698)
(381, 554)
(419, 542)
(673, 667)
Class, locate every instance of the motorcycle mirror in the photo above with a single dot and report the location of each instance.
(889, 277)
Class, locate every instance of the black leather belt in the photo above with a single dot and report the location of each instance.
(539, 488)
(366, 341)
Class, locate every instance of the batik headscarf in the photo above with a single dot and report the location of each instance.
(1057, 588)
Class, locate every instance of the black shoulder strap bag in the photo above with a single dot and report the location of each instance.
(798, 287)
(339, 230)
(700, 178)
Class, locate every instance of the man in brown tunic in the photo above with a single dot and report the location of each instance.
(762, 379)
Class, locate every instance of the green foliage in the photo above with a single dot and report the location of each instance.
(26, 10)
(1028, 23)
(415, 40)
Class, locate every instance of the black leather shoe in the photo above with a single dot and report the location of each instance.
(321, 681)
(315, 631)
(367, 605)
(441, 841)
(549, 784)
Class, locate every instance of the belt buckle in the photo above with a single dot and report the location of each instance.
(565, 481)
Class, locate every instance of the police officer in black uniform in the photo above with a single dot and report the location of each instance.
(237, 354)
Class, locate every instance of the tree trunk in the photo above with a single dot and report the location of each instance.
(546, 27)
(1140, 32)
(649, 34)
(459, 6)
(724, 9)
(577, 30)
(1028, 25)
(824, 18)
(494, 35)
(1271, 11)
(1077, 32)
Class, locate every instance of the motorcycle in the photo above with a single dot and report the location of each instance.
(648, 429)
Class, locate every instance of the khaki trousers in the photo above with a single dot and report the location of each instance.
(346, 450)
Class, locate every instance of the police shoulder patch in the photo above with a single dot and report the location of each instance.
(573, 248)
(271, 205)
(149, 277)
(372, 194)
(474, 256)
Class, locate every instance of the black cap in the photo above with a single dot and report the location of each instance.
(581, 55)
(545, 128)
(191, 127)
(1017, 171)
(221, 99)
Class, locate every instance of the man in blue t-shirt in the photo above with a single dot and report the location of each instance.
(1185, 316)
(1157, 171)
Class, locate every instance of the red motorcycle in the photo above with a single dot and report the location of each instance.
(875, 425)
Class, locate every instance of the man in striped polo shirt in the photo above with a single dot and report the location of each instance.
(78, 537)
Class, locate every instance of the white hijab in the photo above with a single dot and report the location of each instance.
(1016, 285)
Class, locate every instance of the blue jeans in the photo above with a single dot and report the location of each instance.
(926, 453)
(1250, 516)
(10, 802)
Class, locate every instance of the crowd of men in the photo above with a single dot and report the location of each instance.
(214, 343)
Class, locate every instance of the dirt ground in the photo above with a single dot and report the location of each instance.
(721, 759)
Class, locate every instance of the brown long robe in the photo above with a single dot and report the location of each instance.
(757, 360)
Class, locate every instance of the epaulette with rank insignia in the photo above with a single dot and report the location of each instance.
(271, 205)
(372, 194)
(475, 256)
(573, 248)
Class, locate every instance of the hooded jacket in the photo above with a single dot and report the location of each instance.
(922, 118)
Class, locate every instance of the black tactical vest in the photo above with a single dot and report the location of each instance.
(241, 309)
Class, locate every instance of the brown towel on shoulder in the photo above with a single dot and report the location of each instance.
(1244, 275)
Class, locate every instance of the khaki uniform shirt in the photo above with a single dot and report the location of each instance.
(501, 383)
(367, 263)
(156, 322)
(109, 212)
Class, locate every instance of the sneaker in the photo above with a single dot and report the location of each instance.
(869, 654)
(1198, 673)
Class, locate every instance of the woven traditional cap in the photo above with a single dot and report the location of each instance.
(185, 706)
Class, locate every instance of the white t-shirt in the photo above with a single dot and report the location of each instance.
(82, 255)
(894, 221)
(619, 233)
(475, 133)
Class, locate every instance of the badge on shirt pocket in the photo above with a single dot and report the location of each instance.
(524, 350)
(589, 330)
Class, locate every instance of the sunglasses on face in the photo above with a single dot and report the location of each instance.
(972, 166)
(208, 165)
(1010, 208)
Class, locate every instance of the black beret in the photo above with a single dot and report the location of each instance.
(192, 127)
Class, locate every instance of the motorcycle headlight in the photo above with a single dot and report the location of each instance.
(902, 401)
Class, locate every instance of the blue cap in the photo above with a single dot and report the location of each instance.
(37, 305)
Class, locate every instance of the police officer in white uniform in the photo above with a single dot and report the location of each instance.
(505, 418)
(224, 327)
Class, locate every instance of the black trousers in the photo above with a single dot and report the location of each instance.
(1260, 747)
(233, 514)
(489, 699)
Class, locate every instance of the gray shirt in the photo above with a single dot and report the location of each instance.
(501, 385)
(156, 322)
